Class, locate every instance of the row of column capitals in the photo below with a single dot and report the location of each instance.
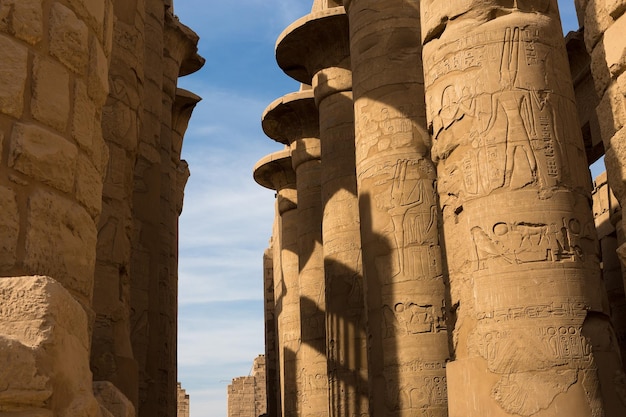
(275, 172)
(316, 41)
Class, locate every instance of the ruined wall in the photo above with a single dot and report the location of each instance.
(182, 402)
(247, 395)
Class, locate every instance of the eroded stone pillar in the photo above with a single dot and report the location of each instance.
(530, 327)
(293, 120)
(315, 50)
(54, 61)
(276, 172)
(399, 215)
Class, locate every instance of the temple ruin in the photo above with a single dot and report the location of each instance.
(439, 248)
(91, 188)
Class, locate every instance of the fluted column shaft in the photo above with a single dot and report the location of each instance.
(398, 208)
(530, 330)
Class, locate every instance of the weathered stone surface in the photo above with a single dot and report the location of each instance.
(88, 186)
(22, 18)
(45, 349)
(98, 80)
(50, 103)
(111, 399)
(43, 156)
(9, 228)
(52, 219)
(83, 118)
(13, 74)
(68, 38)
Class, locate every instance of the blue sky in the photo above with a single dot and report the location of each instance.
(227, 218)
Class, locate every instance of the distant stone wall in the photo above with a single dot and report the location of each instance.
(247, 395)
(183, 402)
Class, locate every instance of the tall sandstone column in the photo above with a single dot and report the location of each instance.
(275, 172)
(399, 216)
(315, 50)
(530, 327)
(293, 120)
(54, 61)
(604, 27)
(112, 357)
(159, 176)
(271, 335)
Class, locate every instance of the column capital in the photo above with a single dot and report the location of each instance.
(275, 172)
(291, 117)
(316, 41)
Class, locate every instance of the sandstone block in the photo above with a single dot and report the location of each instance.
(52, 219)
(13, 73)
(111, 399)
(9, 228)
(68, 38)
(597, 21)
(615, 47)
(98, 79)
(43, 156)
(615, 166)
(50, 102)
(600, 69)
(84, 118)
(88, 186)
(611, 111)
(44, 350)
(22, 18)
(616, 8)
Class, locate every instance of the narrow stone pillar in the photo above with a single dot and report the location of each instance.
(315, 50)
(271, 340)
(399, 216)
(530, 328)
(276, 173)
(293, 120)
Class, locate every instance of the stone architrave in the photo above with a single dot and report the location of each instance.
(315, 50)
(530, 328)
(408, 345)
(275, 172)
(293, 120)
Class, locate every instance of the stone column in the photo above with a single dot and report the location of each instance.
(112, 357)
(315, 50)
(275, 172)
(530, 327)
(271, 339)
(54, 61)
(159, 179)
(293, 120)
(604, 27)
(399, 216)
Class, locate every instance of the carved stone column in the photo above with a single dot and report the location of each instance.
(530, 327)
(271, 341)
(399, 215)
(293, 120)
(275, 172)
(315, 50)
